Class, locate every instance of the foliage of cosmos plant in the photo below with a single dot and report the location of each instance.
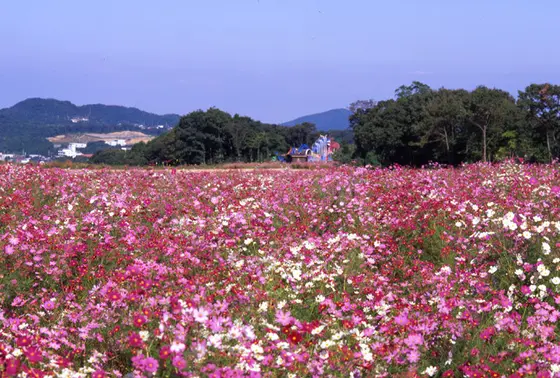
(348, 272)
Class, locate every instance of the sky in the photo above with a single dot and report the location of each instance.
(272, 60)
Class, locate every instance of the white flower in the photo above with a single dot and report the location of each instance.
(177, 347)
(431, 371)
(248, 241)
(296, 273)
(542, 288)
(555, 368)
(475, 221)
(257, 349)
(317, 330)
(458, 224)
(263, 307)
(320, 299)
(272, 336)
(490, 213)
(145, 335)
(493, 269)
(518, 272)
(215, 340)
(545, 248)
(555, 281)
(527, 235)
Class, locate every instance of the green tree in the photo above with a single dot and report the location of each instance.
(444, 122)
(541, 104)
(491, 111)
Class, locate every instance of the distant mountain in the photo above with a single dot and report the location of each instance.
(336, 119)
(51, 111)
(26, 125)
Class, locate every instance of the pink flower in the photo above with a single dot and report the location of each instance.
(49, 305)
(284, 318)
(98, 374)
(9, 250)
(150, 365)
(179, 362)
(139, 320)
(402, 319)
(165, 352)
(414, 340)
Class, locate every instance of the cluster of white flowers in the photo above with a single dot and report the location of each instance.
(508, 223)
(543, 271)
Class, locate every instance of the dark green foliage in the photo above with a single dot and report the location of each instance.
(421, 125)
(541, 105)
(212, 137)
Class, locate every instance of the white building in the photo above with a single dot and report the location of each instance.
(79, 119)
(72, 150)
(116, 142)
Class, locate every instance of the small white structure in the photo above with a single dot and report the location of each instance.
(72, 150)
(5, 157)
(116, 142)
(79, 119)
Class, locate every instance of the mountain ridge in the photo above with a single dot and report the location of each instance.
(334, 119)
(25, 126)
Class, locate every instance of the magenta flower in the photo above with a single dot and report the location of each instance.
(12, 366)
(98, 374)
(134, 340)
(150, 365)
(179, 362)
(33, 354)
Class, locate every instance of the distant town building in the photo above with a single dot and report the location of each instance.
(79, 119)
(72, 150)
(116, 142)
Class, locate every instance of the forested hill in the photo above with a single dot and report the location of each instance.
(335, 119)
(24, 126)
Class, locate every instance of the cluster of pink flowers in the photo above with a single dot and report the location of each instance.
(333, 272)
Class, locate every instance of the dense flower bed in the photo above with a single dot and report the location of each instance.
(337, 272)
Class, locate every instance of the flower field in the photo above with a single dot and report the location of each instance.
(335, 272)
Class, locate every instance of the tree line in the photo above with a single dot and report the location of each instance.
(452, 126)
(213, 137)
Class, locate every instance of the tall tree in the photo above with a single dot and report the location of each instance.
(489, 112)
(541, 102)
(444, 121)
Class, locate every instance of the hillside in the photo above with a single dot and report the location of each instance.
(26, 125)
(336, 119)
(129, 137)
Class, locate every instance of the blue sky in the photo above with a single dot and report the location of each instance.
(273, 60)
